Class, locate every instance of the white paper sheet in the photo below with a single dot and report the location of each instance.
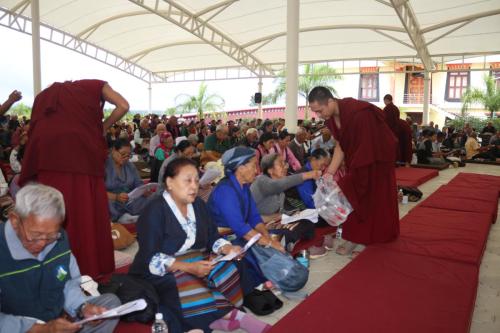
(137, 305)
(209, 176)
(232, 255)
(139, 191)
(308, 214)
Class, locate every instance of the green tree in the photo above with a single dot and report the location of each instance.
(171, 111)
(317, 75)
(489, 98)
(20, 110)
(201, 103)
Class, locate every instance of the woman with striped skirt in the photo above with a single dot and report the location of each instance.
(177, 244)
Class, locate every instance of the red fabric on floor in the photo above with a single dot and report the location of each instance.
(452, 235)
(124, 327)
(462, 205)
(389, 292)
(472, 180)
(416, 176)
(463, 192)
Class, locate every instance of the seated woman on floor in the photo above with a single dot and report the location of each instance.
(268, 191)
(232, 206)
(266, 143)
(318, 161)
(281, 148)
(176, 239)
(121, 177)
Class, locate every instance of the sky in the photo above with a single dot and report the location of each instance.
(60, 64)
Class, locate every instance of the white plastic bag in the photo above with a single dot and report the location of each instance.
(331, 203)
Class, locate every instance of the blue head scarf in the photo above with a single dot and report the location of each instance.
(235, 157)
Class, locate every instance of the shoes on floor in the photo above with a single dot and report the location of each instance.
(316, 252)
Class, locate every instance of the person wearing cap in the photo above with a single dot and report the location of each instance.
(216, 144)
(268, 190)
(232, 206)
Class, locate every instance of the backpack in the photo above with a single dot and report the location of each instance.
(283, 271)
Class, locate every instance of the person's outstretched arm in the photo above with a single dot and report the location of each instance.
(13, 97)
(120, 103)
(338, 158)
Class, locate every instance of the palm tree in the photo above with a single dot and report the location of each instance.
(318, 75)
(171, 111)
(201, 103)
(489, 98)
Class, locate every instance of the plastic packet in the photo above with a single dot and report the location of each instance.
(331, 203)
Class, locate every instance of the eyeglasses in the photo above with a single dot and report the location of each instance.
(31, 239)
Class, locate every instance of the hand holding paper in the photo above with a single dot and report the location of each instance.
(231, 255)
(122, 310)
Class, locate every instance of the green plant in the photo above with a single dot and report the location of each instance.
(20, 110)
(314, 75)
(266, 100)
(200, 103)
(171, 111)
(476, 123)
(489, 98)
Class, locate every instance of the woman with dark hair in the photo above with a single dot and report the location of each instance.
(266, 142)
(177, 239)
(121, 178)
(318, 161)
(281, 148)
(183, 149)
(112, 135)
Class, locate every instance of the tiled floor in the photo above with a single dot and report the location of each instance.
(486, 317)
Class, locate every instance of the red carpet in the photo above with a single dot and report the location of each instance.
(445, 234)
(414, 177)
(426, 281)
(389, 292)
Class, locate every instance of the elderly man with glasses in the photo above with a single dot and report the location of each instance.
(39, 276)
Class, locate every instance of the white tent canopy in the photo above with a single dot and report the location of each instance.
(155, 39)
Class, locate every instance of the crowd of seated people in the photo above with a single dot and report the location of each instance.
(178, 232)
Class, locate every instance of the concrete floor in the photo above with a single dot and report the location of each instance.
(486, 318)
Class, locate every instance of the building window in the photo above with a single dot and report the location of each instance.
(368, 87)
(456, 85)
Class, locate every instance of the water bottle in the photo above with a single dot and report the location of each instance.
(159, 326)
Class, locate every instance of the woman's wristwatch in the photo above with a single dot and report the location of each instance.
(79, 311)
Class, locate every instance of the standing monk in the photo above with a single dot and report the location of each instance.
(391, 114)
(367, 147)
(67, 150)
(405, 142)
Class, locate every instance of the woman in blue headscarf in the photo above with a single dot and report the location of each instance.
(232, 206)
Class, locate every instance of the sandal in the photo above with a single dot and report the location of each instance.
(346, 248)
(360, 248)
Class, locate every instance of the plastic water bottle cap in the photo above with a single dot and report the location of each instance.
(159, 316)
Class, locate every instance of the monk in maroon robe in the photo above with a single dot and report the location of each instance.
(367, 147)
(405, 142)
(67, 150)
(391, 114)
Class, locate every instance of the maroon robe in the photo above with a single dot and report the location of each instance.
(370, 181)
(405, 142)
(391, 114)
(67, 150)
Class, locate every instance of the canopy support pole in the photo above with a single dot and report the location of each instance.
(292, 64)
(425, 115)
(150, 98)
(35, 42)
